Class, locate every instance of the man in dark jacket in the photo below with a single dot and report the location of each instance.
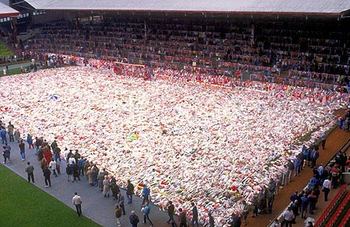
(47, 174)
(235, 220)
(129, 191)
(194, 214)
(21, 146)
(134, 219)
(171, 212)
(182, 218)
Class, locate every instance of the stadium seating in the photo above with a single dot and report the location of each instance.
(302, 51)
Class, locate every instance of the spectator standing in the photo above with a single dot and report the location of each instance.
(314, 156)
(17, 136)
(326, 188)
(106, 187)
(76, 173)
(288, 217)
(235, 220)
(10, 129)
(114, 188)
(335, 172)
(182, 218)
(22, 150)
(134, 219)
(6, 153)
(146, 211)
(30, 172)
(100, 178)
(53, 167)
(47, 176)
(211, 220)
(171, 212)
(145, 194)
(304, 205)
(118, 213)
(30, 142)
(76, 200)
(121, 201)
(194, 215)
(3, 136)
(129, 191)
(69, 172)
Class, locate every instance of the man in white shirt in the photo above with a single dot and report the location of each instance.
(326, 187)
(76, 200)
(52, 166)
(71, 161)
(288, 217)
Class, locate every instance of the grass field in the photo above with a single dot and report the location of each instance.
(5, 51)
(22, 205)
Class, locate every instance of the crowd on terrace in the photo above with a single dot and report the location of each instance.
(225, 47)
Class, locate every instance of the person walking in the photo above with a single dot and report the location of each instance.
(22, 150)
(134, 219)
(47, 176)
(194, 215)
(171, 212)
(129, 191)
(121, 201)
(76, 200)
(326, 188)
(53, 167)
(118, 214)
(30, 172)
(146, 211)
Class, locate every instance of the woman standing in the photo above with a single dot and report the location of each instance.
(106, 187)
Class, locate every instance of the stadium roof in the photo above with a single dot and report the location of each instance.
(6, 11)
(226, 6)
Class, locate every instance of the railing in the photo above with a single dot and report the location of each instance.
(339, 211)
(345, 219)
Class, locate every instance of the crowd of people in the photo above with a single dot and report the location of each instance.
(306, 52)
(49, 159)
(325, 178)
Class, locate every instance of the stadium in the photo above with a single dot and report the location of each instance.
(225, 113)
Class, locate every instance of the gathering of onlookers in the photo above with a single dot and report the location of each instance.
(50, 160)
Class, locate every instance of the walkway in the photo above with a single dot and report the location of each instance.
(95, 206)
(334, 142)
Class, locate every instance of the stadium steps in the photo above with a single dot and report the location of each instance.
(339, 212)
(332, 207)
(346, 219)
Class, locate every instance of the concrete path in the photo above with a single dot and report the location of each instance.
(94, 206)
